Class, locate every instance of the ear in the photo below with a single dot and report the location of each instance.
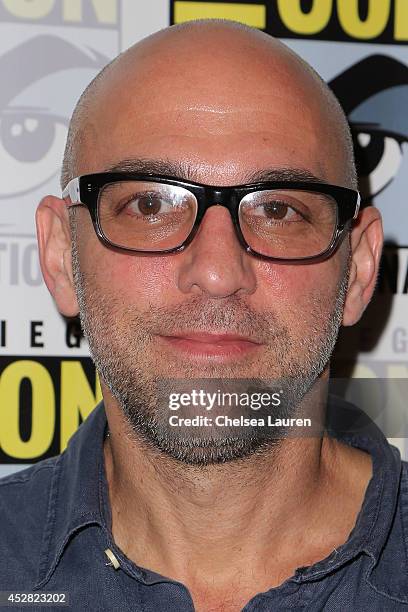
(54, 244)
(366, 246)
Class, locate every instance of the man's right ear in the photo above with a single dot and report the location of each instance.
(54, 245)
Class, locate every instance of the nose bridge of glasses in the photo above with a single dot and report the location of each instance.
(225, 197)
(219, 196)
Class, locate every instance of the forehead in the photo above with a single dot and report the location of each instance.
(247, 110)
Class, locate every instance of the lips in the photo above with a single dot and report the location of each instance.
(220, 346)
(209, 338)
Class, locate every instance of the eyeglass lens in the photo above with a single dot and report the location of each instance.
(150, 216)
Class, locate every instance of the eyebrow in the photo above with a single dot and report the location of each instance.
(187, 172)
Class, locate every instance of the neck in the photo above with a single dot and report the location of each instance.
(187, 522)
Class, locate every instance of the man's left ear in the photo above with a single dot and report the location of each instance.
(366, 246)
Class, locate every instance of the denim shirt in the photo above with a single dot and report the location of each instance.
(55, 527)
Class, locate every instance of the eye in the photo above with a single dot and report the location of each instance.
(378, 158)
(30, 142)
(148, 204)
(277, 210)
(271, 207)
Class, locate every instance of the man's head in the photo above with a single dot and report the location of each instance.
(223, 104)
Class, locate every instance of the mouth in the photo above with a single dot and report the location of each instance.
(204, 345)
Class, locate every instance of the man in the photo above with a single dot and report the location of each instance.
(179, 278)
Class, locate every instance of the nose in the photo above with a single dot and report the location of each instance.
(215, 263)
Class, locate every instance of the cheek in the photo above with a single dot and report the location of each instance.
(293, 289)
(134, 280)
(140, 281)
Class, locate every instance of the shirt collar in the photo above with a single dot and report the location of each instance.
(374, 521)
(78, 497)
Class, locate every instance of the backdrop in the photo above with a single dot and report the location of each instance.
(49, 51)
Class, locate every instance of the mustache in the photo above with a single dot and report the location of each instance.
(222, 315)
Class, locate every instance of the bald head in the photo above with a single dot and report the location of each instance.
(214, 68)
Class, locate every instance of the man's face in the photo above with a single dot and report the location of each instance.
(222, 124)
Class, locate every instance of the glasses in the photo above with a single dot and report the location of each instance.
(285, 221)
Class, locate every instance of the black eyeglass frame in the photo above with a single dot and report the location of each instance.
(84, 191)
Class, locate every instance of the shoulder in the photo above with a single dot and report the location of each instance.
(404, 484)
(26, 491)
(24, 507)
(389, 575)
(26, 477)
(403, 488)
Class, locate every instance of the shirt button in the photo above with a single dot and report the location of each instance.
(112, 559)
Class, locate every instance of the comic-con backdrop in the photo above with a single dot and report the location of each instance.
(49, 51)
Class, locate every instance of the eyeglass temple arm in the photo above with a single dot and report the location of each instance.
(357, 207)
(72, 191)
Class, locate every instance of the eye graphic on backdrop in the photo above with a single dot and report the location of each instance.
(373, 93)
(33, 127)
(30, 143)
(378, 158)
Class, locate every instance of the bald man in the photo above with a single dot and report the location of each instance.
(210, 237)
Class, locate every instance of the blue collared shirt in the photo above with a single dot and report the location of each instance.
(55, 528)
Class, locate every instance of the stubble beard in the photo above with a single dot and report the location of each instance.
(121, 340)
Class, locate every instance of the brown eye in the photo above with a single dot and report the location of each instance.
(149, 205)
(275, 210)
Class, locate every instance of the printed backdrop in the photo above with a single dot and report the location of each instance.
(49, 51)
